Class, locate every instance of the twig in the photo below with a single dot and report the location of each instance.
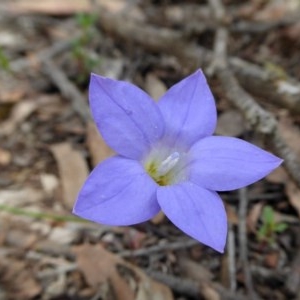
(57, 271)
(231, 258)
(217, 10)
(186, 287)
(67, 88)
(195, 289)
(283, 92)
(150, 250)
(220, 46)
(40, 215)
(201, 17)
(251, 198)
(23, 63)
(292, 283)
(260, 120)
(242, 212)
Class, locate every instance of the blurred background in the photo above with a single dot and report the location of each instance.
(250, 53)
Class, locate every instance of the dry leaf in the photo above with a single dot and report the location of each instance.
(254, 216)
(194, 270)
(19, 113)
(290, 133)
(21, 197)
(100, 267)
(276, 10)
(231, 214)
(292, 32)
(20, 239)
(96, 145)
(18, 280)
(13, 89)
(5, 157)
(73, 171)
(154, 86)
(68, 7)
(159, 218)
(53, 7)
(49, 183)
(198, 273)
(279, 175)
(271, 259)
(293, 194)
(231, 123)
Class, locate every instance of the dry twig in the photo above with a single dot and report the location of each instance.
(284, 92)
(165, 247)
(68, 89)
(195, 289)
(243, 242)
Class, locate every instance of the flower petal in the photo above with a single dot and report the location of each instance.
(198, 212)
(189, 110)
(225, 163)
(128, 119)
(118, 192)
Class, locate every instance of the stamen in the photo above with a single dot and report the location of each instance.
(168, 164)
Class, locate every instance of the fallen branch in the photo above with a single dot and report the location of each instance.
(68, 89)
(283, 92)
(261, 120)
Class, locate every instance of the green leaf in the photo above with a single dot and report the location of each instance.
(268, 215)
(262, 232)
(280, 227)
(4, 61)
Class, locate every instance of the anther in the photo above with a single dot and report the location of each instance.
(168, 164)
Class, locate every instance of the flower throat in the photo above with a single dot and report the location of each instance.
(164, 172)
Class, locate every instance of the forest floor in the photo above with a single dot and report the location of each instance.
(250, 53)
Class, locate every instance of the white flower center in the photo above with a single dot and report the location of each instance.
(168, 164)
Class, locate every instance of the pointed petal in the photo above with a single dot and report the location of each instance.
(198, 212)
(117, 192)
(225, 163)
(189, 110)
(128, 119)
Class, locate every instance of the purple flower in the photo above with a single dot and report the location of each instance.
(167, 159)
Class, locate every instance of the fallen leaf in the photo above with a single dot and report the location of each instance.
(67, 7)
(293, 194)
(201, 275)
(21, 197)
(97, 147)
(279, 176)
(73, 171)
(194, 270)
(231, 214)
(63, 235)
(254, 216)
(18, 280)
(20, 239)
(52, 7)
(271, 259)
(13, 89)
(100, 267)
(154, 86)
(5, 157)
(49, 183)
(20, 112)
(277, 10)
(231, 123)
(289, 132)
(159, 218)
(292, 32)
